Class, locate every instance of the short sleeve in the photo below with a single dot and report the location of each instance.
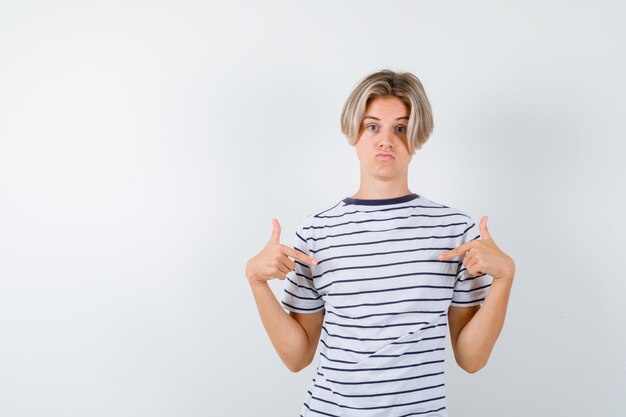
(469, 290)
(299, 294)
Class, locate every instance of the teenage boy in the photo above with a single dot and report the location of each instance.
(379, 277)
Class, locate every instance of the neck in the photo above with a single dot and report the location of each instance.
(372, 188)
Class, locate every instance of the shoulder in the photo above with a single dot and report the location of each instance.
(321, 218)
(446, 210)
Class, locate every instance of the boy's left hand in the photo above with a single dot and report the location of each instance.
(483, 256)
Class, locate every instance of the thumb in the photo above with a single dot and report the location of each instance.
(275, 231)
(484, 231)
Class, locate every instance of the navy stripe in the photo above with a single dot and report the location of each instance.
(382, 394)
(424, 338)
(319, 215)
(423, 412)
(378, 407)
(468, 302)
(385, 314)
(368, 212)
(417, 352)
(410, 274)
(301, 286)
(301, 308)
(303, 298)
(375, 327)
(378, 339)
(474, 289)
(414, 261)
(302, 264)
(445, 248)
(329, 226)
(413, 365)
(341, 294)
(347, 350)
(301, 238)
(382, 381)
(362, 339)
(358, 232)
(337, 360)
(304, 276)
(394, 302)
(378, 210)
(384, 241)
(317, 411)
(470, 278)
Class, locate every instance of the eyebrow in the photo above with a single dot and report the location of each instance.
(376, 118)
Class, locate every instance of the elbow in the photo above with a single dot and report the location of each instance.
(471, 363)
(472, 367)
(296, 367)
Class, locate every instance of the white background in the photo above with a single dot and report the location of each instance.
(146, 146)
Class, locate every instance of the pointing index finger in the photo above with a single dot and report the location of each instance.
(456, 251)
(296, 254)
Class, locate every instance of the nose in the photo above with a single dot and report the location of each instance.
(385, 139)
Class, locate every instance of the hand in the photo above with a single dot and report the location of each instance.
(483, 256)
(273, 260)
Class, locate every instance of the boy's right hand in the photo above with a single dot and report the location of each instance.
(273, 261)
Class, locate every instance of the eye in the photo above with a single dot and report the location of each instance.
(368, 128)
(401, 129)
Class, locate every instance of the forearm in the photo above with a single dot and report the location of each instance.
(287, 335)
(478, 337)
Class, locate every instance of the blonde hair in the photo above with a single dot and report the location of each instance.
(404, 85)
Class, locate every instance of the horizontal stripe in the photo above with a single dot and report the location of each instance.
(473, 289)
(347, 350)
(380, 406)
(410, 274)
(303, 298)
(416, 413)
(468, 302)
(413, 261)
(302, 308)
(395, 302)
(304, 287)
(362, 339)
(338, 294)
(358, 255)
(374, 242)
(417, 352)
(349, 211)
(336, 360)
(383, 381)
(385, 314)
(317, 411)
(375, 327)
(423, 339)
(423, 412)
(413, 365)
(382, 394)
(432, 226)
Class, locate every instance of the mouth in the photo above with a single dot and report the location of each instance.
(384, 156)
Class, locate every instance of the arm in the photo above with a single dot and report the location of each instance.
(294, 336)
(474, 330)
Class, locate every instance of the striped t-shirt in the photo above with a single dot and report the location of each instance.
(386, 297)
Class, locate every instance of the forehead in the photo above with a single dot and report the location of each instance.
(386, 108)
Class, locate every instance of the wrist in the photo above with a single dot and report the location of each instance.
(505, 279)
(507, 274)
(256, 282)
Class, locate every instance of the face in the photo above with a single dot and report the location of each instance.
(382, 147)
